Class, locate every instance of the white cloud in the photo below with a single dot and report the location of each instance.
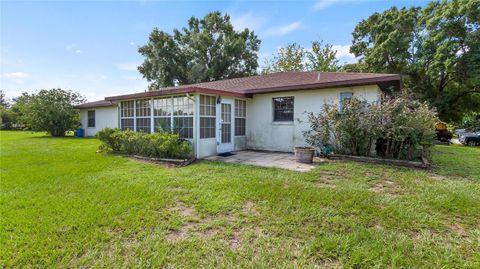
(343, 54)
(283, 30)
(247, 20)
(16, 77)
(129, 66)
(74, 48)
(132, 43)
(343, 51)
(324, 4)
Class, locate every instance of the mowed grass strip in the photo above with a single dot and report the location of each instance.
(63, 205)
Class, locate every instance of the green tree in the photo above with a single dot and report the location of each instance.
(208, 49)
(3, 100)
(322, 58)
(49, 110)
(436, 49)
(289, 58)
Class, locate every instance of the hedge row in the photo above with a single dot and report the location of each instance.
(157, 145)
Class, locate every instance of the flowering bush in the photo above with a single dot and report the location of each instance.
(160, 145)
(399, 128)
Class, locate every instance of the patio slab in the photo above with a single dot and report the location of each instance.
(265, 159)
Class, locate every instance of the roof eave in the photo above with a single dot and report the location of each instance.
(324, 85)
(173, 92)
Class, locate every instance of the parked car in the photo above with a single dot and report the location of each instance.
(470, 139)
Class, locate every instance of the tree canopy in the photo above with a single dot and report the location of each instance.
(207, 49)
(49, 110)
(436, 49)
(293, 57)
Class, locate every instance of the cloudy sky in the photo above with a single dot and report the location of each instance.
(92, 46)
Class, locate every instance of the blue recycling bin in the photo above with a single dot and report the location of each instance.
(79, 132)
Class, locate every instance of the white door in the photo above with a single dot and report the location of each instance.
(225, 127)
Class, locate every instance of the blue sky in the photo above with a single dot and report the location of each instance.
(91, 46)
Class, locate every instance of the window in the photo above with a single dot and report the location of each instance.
(183, 116)
(183, 126)
(344, 98)
(127, 113)
(283, 109)
(91, 118)
(162, 114)
(126, 109)
(142, 115)
(207, 116)
(127, 124)
(240, 117)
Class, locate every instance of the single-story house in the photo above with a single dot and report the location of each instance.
(264, 112)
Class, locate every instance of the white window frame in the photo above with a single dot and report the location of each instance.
(240, 117)
(207, 116)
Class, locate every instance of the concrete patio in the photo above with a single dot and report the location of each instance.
(266, 159)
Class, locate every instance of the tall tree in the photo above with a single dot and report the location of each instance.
(436, 49)
(50, 111)
(288, 58)
(3, 100)
(321, 57)
(208, 49)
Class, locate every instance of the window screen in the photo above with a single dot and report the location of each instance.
(91, 118)
(283, 109)
(207, 116)
(344, 98)
(240, 117)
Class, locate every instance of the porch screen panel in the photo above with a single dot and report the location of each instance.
(207, 116)
(143, 112)
(162, 114)
(183, 108)
(126, 115)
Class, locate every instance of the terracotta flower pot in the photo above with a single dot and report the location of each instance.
(304, 154)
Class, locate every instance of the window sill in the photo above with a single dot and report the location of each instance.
(282, 123)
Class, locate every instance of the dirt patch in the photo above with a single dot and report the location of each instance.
(386, 186)
(438, 177)
(331, 174)
(249, 208)
(235, 240)
(331, 264)
(210, 232)
(184, 210)
(458, 229)
(181, 233)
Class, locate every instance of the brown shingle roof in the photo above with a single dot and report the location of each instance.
(101, 103)
(276, 82)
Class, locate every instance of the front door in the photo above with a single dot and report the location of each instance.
(225, 143)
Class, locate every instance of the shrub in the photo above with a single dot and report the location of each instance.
(159, 145)
(49, 110)
(392, 128)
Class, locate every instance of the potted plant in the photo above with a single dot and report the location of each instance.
(304, 154)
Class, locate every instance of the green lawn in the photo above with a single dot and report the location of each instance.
(63, 205)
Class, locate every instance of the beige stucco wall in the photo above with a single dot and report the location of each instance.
(104, 117)
(264, 134)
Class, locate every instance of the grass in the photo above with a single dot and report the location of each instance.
(63, 205)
